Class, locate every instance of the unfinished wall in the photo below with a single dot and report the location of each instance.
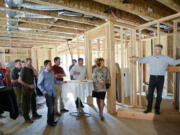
(10, 54)
(39, 55)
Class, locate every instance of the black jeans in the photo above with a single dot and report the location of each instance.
(158, 83)
(50, 106)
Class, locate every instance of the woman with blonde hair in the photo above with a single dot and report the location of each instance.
(101, 79)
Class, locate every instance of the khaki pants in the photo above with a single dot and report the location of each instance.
(29, 102)
(58, 89)
(18, 91)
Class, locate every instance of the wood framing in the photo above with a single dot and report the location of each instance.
(159, 21)
(171, 4)
(106, 31)
(139, 7)
(90, 8)
(122, 65)
(175, 25)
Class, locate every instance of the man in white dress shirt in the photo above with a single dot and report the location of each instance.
(79, 73)
(158, 64)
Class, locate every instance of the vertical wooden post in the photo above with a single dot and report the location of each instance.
(34, 57)
(78, 53)
(140, 69)
(104, 48)
(158, 32)
(88, 57)
(110, 57)
(67, 64)
(175, 24)
(3, 58)
(133, 70)
(98, 46)
(122, 66)
(117, 51)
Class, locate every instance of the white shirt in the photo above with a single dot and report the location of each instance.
(158, 64)
(81, 70)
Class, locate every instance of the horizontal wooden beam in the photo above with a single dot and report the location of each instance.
(90, 7)
(16, 46)
(52, 28)
(38, 41)
(54, 14)
(140, 8)
(80, 6)
(28, 36)
(49, 22)
(65, 49)
(22, 34)
(6, 44)
(159, 21)
(29, 41)
(39, 33)
(41, 28)
(173, 69)
(173, 4)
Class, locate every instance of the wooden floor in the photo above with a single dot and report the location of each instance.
(168, 112)
(69, 125)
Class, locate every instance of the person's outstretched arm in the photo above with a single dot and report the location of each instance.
(172, 61)
(140, 60)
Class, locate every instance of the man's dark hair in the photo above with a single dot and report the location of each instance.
(56, 58)
(74, 60)
(159, 45)
(80, 59)
(46, 62)
(17, 60)
(27, 59)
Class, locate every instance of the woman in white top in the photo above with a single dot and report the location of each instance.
(101, 77)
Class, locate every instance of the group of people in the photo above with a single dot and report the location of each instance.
(50, 81)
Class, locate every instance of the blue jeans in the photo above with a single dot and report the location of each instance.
(50, 106)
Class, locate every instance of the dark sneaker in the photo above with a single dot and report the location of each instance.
(147, 111)
(29, 121)
(36, 116)
(55, 122)
(157, 112)
(58, 114)
(52, 124)
(64, 110)
(102, 118)
(82, 105)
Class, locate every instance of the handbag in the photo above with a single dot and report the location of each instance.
(108, 85)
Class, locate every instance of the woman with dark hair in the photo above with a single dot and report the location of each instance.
(101, 78)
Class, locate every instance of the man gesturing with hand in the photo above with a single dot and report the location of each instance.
(158, 64)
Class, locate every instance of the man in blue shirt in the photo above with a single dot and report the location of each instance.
(158, 64)
(46, 83)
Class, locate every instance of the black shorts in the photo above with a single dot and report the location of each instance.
(99, 95)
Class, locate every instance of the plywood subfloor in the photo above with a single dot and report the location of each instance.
(69, 125)
(168, 112)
